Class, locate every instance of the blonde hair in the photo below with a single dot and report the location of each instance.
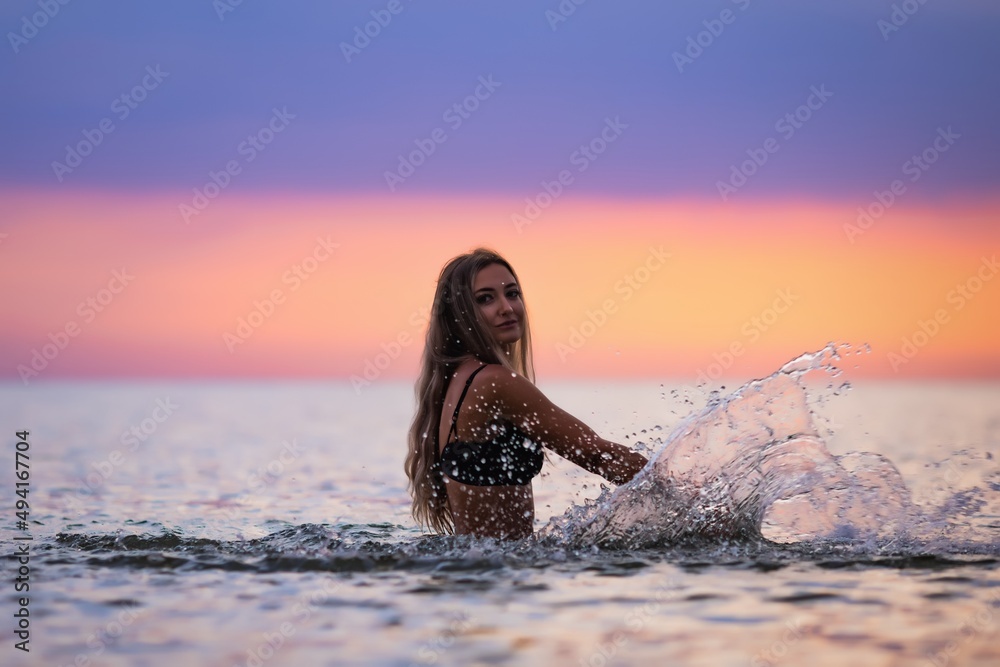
(456, 331)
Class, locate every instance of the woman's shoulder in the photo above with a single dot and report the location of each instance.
(498, 373)
(498, 381)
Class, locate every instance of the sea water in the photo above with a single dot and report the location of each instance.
(792, 520)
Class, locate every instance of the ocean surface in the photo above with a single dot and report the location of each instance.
(267, 523)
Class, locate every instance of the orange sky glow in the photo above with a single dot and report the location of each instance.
(332, 287)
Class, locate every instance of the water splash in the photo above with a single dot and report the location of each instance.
(752, 465)
(746, 479)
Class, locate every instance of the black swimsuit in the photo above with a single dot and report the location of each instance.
(510, 458)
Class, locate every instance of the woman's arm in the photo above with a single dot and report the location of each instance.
(552, 427)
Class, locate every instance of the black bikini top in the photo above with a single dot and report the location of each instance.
(510, 458)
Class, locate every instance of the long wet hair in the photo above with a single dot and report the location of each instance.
(456, 331)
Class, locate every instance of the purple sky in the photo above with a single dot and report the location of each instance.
(685, 130)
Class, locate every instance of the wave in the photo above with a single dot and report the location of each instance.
(359, 548)
(747, 480)
(753, 465)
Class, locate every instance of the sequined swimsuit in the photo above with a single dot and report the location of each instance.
(509, 458)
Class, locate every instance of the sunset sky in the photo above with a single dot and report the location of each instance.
(684, 188)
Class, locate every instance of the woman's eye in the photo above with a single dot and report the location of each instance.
(485, 298)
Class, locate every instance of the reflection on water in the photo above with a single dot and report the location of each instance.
(266, 525)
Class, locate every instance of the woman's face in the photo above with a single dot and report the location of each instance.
(498, 298)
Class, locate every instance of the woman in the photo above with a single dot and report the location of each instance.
(476, 438)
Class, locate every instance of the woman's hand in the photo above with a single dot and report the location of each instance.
(617, 464)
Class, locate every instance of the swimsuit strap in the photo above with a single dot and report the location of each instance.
(454, 417)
